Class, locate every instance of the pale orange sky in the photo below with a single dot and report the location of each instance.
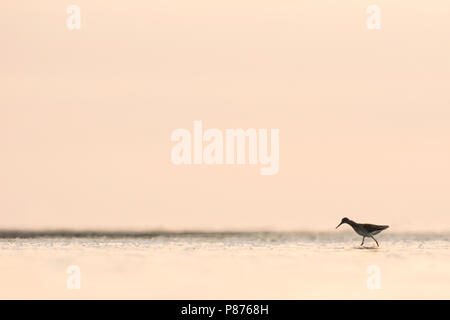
(86, 115)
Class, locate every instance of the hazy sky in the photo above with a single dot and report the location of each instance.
(86, 115)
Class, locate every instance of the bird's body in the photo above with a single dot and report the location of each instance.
(364, 229)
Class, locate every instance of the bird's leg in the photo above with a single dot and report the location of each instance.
(362, 243)
(375, 240)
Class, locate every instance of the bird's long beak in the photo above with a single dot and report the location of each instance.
(338, 225)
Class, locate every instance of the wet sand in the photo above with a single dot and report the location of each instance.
(160, 265)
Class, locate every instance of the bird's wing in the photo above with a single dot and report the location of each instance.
(374, 227)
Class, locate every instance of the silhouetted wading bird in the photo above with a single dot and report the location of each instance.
(364, 229)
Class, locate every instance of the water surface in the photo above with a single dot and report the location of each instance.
(224, 265)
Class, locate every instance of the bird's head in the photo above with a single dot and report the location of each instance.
(344, 220)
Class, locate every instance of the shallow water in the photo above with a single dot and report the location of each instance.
(261, 265)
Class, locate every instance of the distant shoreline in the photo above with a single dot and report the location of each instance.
(263, 234)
